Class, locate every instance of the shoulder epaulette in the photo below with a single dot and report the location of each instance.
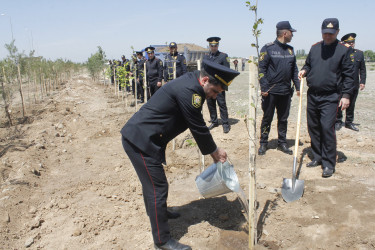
(269, 44)
(317, 43)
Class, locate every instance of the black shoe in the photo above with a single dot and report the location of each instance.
(172, 244)
(313, 164)
(327, 172)
(173, 215)
(284, 148)
(338, 126)
(262, 149)
(226, 128)
(213, 125)
(352, 127)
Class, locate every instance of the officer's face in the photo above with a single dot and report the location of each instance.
(329, 38)
(211, 90)
(352, 44)
(172, 50)
(288, 36)
(214, 48)
(151, 55)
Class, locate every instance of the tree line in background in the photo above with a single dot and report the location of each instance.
(32, 77)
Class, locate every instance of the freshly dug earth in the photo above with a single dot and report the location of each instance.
(66, 182)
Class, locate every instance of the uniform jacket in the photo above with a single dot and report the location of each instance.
(154, 68)
(218, 57)
(171, 110)
(330, 69)
(168, 66)
(359, 68)
(278, 65)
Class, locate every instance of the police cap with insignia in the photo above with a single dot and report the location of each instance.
(173, 45)
(139, 52)
(349, 38)
(330, 25)
(149, 50)
(213, 40)
(284, 25)
(220, 72)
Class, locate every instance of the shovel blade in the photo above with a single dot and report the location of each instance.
(291, 193)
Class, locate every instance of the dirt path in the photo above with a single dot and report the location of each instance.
(67, 184)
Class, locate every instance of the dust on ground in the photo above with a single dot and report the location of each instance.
(66, 182)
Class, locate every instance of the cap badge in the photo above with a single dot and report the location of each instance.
(196, 101)
(330, 25)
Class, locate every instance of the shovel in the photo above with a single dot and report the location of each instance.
(292, 189)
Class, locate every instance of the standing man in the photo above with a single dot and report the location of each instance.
(359, 83)
(170, 59)
(329, 71)
(154, 71)
(235, 62)
(174, 108)
(125, 63)
(221, 58)
(243, 60)
(140, 75)
(277, 68)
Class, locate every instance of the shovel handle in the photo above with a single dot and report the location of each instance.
(298, 119)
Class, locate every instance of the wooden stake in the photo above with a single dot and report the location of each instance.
(20, 89)
(145, 81)
(202, 156)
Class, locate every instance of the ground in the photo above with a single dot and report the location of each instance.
(66, 182)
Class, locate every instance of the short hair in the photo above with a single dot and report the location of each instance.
(279, 33)
(211, 79)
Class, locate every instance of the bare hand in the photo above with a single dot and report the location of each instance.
(159, 84)
(264, 94)
(361, 86)
(301, 74)
(219, 155)
(298, 93)
(344, 103)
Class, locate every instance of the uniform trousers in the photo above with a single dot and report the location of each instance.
(153, 87)
(155, 190)
(321, 117)
(211, 104)
(282, 105)
(140, 90)
(349, 112)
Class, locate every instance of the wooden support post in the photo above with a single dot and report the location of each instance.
(20, 89)
(251, 122)
(202, 156)
(135, 88)
(145, 81)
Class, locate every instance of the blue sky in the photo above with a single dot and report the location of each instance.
(72, 29)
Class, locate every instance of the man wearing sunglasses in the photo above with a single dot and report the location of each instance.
(221, 58)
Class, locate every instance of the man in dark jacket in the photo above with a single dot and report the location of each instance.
(174, 108)
(154, 71)
(221, 58)
(140, 75)
(277, 68)
(174, 58)
(329, 71)
(359, 83)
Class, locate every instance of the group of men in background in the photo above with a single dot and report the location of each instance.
(334, 71)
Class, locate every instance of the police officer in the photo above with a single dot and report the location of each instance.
(359, 83)
(154, 71)
(170, 59)
(329, 71)
(140, 75)
(174, 108)
(221, 58)
(278, 67)
(111, 68)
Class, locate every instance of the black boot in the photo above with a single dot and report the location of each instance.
(172, 244)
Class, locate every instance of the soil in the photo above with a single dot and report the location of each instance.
(66, 182)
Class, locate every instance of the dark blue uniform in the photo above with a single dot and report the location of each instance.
(174, 108)
(359, 78)
(329, 69)
(168, 66)
(220, 58)
(154, 68)
(278, 65)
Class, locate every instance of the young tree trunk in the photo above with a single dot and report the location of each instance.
(6, 104)
(20, 89)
